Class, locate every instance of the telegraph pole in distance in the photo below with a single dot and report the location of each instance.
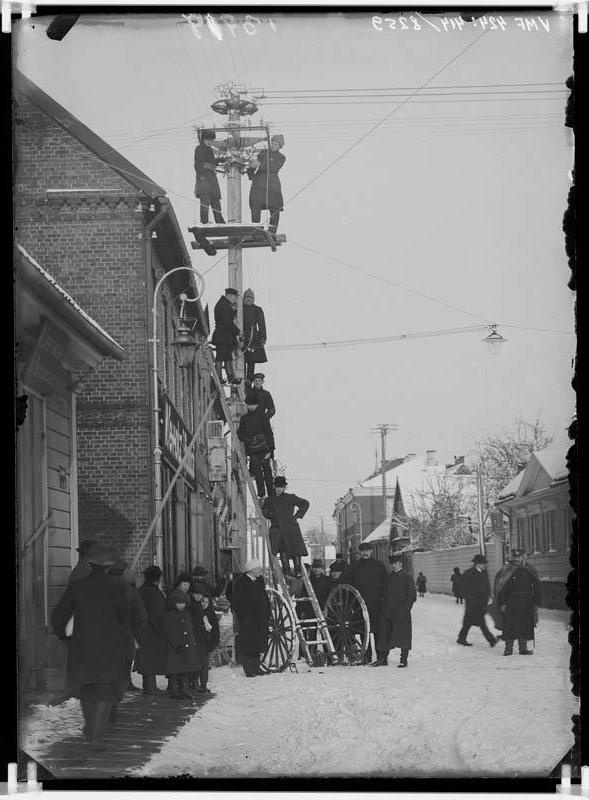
(383, 429)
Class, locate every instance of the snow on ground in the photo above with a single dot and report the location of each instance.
(455, 711)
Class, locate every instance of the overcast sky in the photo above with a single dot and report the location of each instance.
(459, 199)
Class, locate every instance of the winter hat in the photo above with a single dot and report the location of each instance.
(253, 563)
(249, 293)
(280, 480)
(102, 554)
(85, 545)
(318, 563)
(337, 566)
(199, 571)
(396, 557)
(278, 138)
(365, 546)
(183, 577)
(178, 596)
(251, 399)
(479, 559)
(259, 375)
(152, 574)
(229, 290)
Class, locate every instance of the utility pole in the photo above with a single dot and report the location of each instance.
(383, 429)
(480, 509)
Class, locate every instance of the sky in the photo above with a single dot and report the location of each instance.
(436, 209)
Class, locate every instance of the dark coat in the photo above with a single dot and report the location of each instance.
(226, 331)
(137, 617)
(181, 654)
(421, 582)
(151, 655)
(322, 587)
(99, 643)
(254, 334)
(395, 614)
(520, 594)
(205, 162)
(476, 590)
(196, 614)
(251, 606)
(81, 570)
(368, 575)
(285, 534)
(456, 581)
(265, 402)
(255, 423)
(266, 191)
(214, 635)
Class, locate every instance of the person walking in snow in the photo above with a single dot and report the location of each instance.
(99, 605)
(286, 539)
(476, 589)
(181, 654)
(258, 439)
(150, 659)
(207, 186)
(518, 596)
(266, 191)
(251, 607)
(368, 575)
(421, 582)
(395, 614)
(456, 581)
(226, 336)
(254, 335)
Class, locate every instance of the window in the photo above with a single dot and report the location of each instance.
(549, 522)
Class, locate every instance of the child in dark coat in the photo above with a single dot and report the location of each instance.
(199, 676)
(181, 656)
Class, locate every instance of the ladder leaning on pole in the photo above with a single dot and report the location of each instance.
(318, 620)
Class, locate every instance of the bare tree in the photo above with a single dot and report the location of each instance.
(505, 454)
(444, 511)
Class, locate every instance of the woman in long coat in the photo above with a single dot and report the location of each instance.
(254, 334)
(151, 655)
(395, 613)
(207, 186)
(99, 605)
(266, 191)
(285, 534)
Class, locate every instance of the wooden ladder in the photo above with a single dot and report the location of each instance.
(318, 620)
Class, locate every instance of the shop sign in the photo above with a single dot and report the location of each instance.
(217, 452)
(176, 438)
(46, 362)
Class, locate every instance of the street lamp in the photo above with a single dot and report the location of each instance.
(494, 341)
(185, 346)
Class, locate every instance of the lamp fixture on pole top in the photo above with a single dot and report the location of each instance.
(494, 340)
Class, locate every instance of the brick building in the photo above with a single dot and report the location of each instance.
(108, 233)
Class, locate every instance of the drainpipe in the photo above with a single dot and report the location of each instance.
(157, 451)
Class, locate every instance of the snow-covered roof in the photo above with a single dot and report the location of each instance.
(553, 459)
(116, 348)
(511, 489)
(380, 532)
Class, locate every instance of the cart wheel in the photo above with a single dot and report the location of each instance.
(282, 637)
(348, 623)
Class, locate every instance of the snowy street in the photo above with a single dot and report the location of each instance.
(455, 711)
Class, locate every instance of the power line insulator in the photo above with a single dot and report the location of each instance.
(244, 107)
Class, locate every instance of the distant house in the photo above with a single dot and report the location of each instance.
(540, 519)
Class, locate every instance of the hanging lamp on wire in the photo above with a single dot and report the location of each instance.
(494, 340)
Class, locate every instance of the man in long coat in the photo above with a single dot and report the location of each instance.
(517, 597)
(258, 439)
(265, 400)
(82, 568)
(395, 614)
(368, 575)
(151, 655)
(476, 590)
(137, 616)
(266, 191)
(251, 606)
(254, 335)
(226, 336)
(100, 608)
(207, 186)
(285, 535)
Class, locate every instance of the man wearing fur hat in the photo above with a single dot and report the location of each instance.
(226, 336)
(251, 606)
(254, 335)
(285, 535)
(266, 191)
(98, 645)
(517, 596)
(476, 590)
(207, 186)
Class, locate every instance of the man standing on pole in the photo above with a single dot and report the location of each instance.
(226, 336)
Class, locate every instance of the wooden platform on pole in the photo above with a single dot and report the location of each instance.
(213, 237)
